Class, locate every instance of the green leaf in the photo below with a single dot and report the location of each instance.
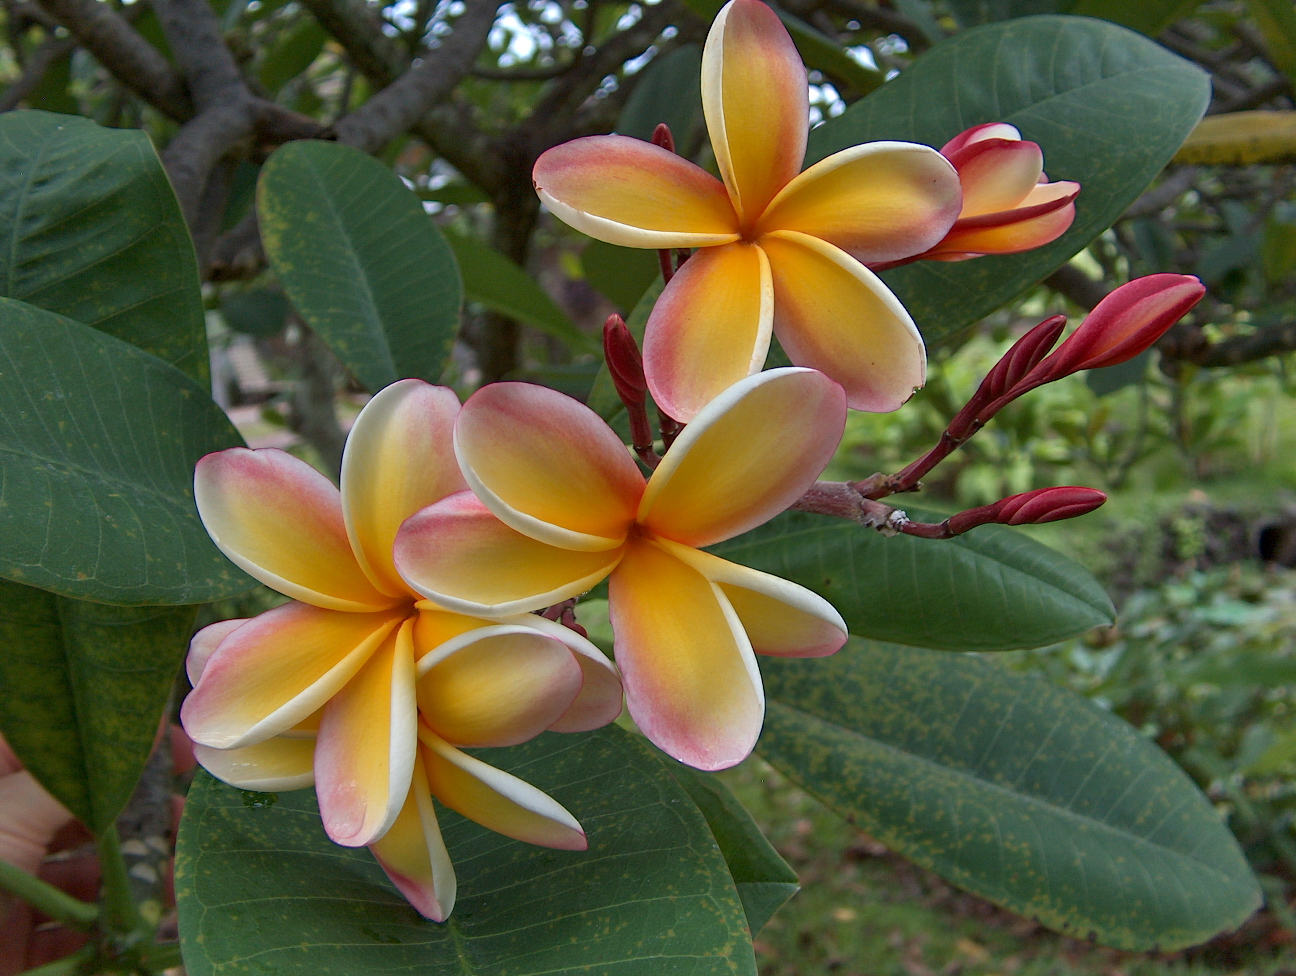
(496, 282)
(1108, 106)
(820, 51)
(82, 690)
(263, 890)
(764, 880)
(92, 230)
(295, 51)
(1021, 792)
(360, 261)
(620, 274)
(670, 91)
(51, 94)
(1277, 21)
(994, 589)
(1148, 17)
(97, 453)
(973, 13)
(260, 312)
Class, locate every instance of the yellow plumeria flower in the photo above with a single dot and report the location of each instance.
(781, 251)
(557, 504)
(340, 687)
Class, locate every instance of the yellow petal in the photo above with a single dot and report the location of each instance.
(833, 314)
(710, 328)
(280, 521)
(747, 456)
(434, 627)
(629, 192)
(462, 558)
(779, 617)
(414, 855)
(600, 698)
(364, 756)
(548, 466)
(497, 800)
(277, 669)
(501, 686)
(756, 102)
(690, 676)
(204, 644)
(881, 201)
(399, 457)
(268, 767)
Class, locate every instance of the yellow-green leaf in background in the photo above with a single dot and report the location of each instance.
(1241, 139)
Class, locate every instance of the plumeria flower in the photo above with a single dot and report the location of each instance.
(780, 249)
(339, 687)
(557, 504)
(1008, 203)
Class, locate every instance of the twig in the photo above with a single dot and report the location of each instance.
(57, 904)
(523, 74)
(133, 61)
(402, 103)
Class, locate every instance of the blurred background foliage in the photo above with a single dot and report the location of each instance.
(1195, 442)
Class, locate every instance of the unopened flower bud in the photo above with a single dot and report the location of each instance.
(662, 137)
(1030, 508)
(1124, 324)
(624, 361)
(1024, 356)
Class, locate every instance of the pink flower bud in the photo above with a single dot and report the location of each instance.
(662, 137)
(1008, 203)
(1124, 324)
(1031, 508)
(1024, 355)
(624, 361)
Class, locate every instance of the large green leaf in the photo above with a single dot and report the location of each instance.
(994, 589)
(1108, 106)
(97, 450)
(1022, 792)
(670, 91)
(620, 274)
(496, 282)
(91, 230)
(1148, 17)
(262, 890)
(82, 690)
(764, 880)
(360, 260)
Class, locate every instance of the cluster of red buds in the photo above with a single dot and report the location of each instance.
(1124, 324)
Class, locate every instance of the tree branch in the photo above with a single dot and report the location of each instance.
(34, 71)
(353, 25)
(1189, 344)
(401, 104)
(133, 61)
(1074, 284)
(198, 44)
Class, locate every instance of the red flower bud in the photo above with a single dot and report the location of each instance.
(662, 137)
(993, 392)
(1030, 508)
(624, 361)
(1124, 324)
